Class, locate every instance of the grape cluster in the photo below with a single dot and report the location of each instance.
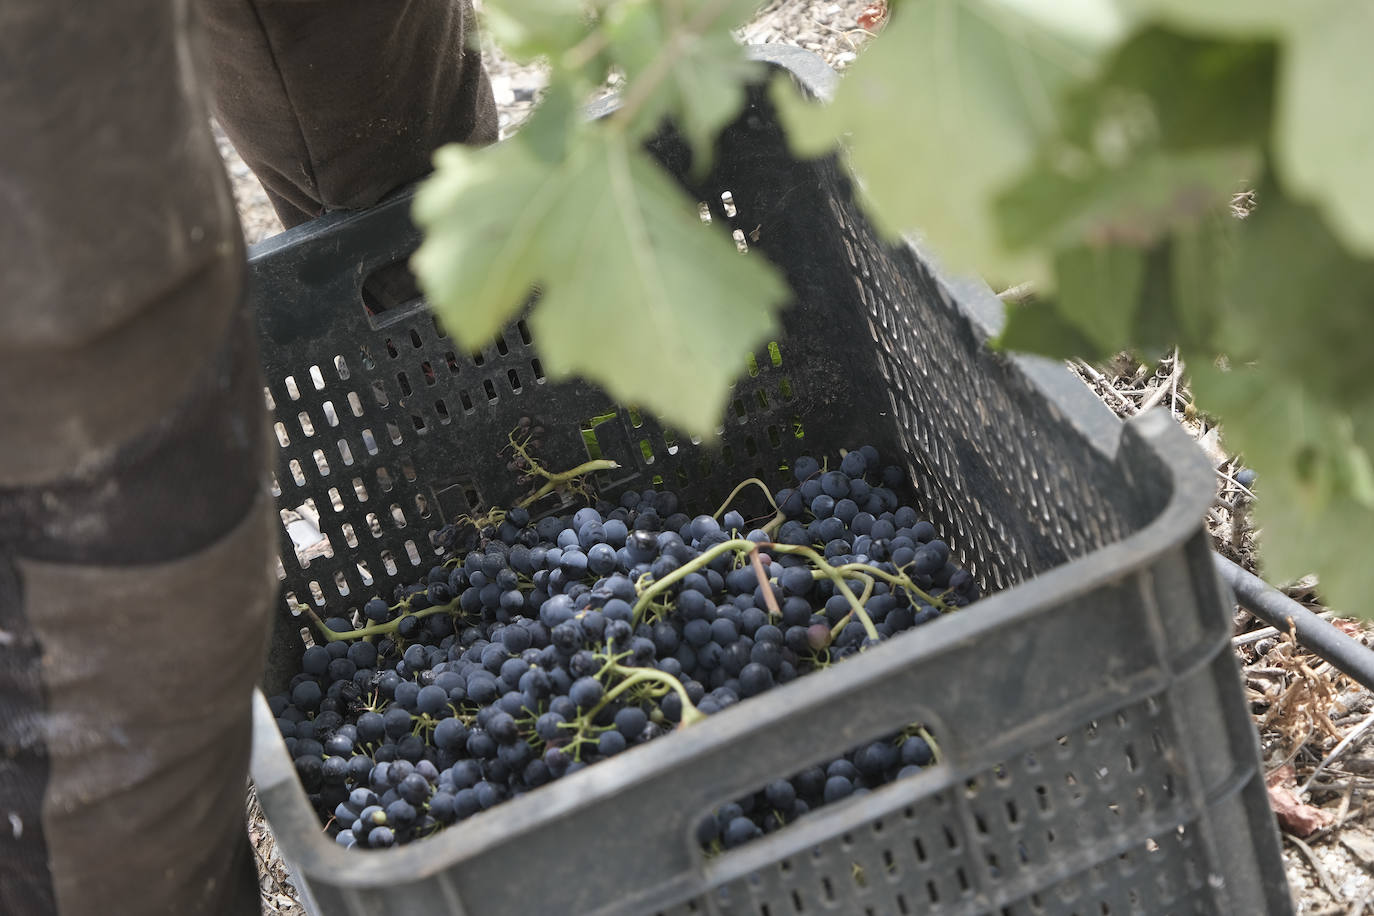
(552, 644)
(784, 800)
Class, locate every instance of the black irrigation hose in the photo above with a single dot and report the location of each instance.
(1277, 609)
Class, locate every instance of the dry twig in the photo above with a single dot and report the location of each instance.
(1322, 875)
(1344, 743)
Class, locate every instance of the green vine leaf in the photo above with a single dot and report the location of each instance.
(639, 276)
(1227, 17)
(484, 214)
(1200, 266)
(1099, 290)
(1316, 506)
(1038, 327)
(1324, 134)
(948, 107)
(1334, 543)
(1136, 203)
(1325, 139)
(624, 266)
(1131, 196)
(527, 30)
(1129, 199)
(697, 69)
(1299, 303)
(1143, 151)
(1171, 81)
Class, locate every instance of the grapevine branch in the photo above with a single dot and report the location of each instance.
(553, 481)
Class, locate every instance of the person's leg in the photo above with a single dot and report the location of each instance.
(335, 103)
(135, 533)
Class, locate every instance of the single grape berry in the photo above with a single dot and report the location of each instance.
(307, 695)
(430, 700)
(874, 760)
(585, 692)
(805, 467)
(780, 794)
(836, 788)
(443, 807)
(414, 789)
(915, 751)
(502, 727)
(631, 721)
(739, 831)
(400, 814)
(315, 661)
(754, 679)
(396, 722)
(611, 742)
(854, 464)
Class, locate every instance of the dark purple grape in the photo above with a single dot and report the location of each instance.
(836, 788)
(739, 831)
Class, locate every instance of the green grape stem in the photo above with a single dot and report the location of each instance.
(376, 629)
(778, 517)
(738, 489)
(612, 659)
(856, 607)
(741, 545)
(633, 676)
(493, 517)
(901, 581)
(936, 754)
(843, 622)
(554, 481)
(659, 586)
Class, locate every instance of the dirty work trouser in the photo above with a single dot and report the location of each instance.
(135, 536)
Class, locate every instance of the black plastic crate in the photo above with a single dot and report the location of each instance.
(1098, 754)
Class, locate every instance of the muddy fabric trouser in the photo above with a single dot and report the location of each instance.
(135, 535)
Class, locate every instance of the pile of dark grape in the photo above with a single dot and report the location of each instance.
(542, 647)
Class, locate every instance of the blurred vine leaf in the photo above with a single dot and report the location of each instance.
(1323, 136)
(1301, 304)
(657, 308)
(636, 293)
(1140, 174)
(1150, 151)
(1316, 505)
(702, 76)
(527, 30)
(950, 103)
